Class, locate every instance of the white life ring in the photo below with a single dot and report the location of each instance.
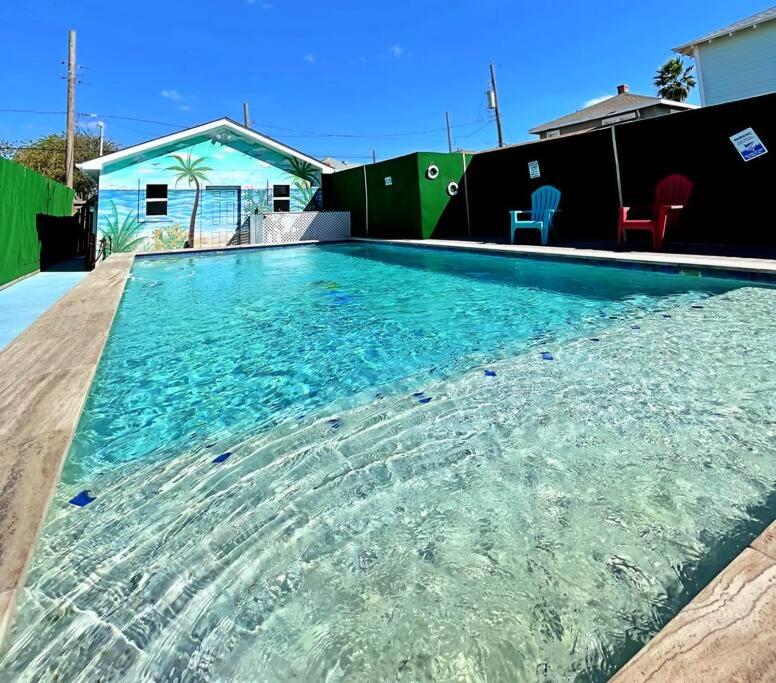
(432, 172)
(452, 188)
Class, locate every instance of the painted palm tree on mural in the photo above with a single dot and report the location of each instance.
(674, 81)
(123, 233)
(305, 177)
(189, 169)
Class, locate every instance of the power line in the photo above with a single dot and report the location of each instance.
(31, 111)
(472, 134)
(298, 133)
(61, 150)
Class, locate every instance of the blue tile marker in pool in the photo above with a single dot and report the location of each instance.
(426, 399)
(490, 373)
(82, 499)
(223, 457)
(546, 355)
(335, 423)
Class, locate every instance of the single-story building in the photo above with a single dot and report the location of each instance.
(736, 61)
(212, 176)
(624, 106)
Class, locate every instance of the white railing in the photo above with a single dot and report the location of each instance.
(281, 228)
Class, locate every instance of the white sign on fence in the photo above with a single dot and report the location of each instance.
(533, 169)
(388, 180)
(747, 143)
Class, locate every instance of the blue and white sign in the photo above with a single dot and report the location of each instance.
(747, 143)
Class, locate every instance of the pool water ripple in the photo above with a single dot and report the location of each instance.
(530, 525)
(257, 337)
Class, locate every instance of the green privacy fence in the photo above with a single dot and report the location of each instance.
(24, 195)
(400, 198)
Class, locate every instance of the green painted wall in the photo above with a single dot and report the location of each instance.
(441, 214)
(23, 195)
(394, 210)
(344, 191)
(410, 206)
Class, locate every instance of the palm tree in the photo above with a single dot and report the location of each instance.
(189, 169)
(674, 81)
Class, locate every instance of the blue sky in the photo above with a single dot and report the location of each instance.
(366, 74)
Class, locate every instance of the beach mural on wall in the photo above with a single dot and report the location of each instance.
(149, 205)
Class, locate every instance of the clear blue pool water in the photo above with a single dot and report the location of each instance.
(388, 509)
(224, 344)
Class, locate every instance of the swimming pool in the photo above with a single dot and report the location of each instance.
(442, 464)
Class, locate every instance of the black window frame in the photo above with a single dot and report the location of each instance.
(281, 192)
(158, 204)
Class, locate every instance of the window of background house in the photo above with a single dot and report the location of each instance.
(156, 200)
(281, 195)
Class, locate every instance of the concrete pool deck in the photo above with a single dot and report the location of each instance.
(724, 633)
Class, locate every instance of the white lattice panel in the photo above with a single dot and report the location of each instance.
(280, 228)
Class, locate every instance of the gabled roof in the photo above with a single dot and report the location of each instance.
(618, 104)
(749, 22)
(245, 139)
(339, 165)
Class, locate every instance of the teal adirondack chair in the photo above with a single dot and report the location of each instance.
(544, 206)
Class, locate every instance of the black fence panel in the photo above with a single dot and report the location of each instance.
(731, 204)
(581, 166)
(732, 199)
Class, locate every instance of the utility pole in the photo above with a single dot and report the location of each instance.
(70, 133)
(101, 125)
(374, 157)
(494, 90)
(449, 137)
(245, 115)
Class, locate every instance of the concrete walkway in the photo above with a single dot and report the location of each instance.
(45, 375)
(22, 302)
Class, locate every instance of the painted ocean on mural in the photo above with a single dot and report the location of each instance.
(148, 205)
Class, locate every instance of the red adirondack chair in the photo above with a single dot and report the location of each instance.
(671, 194)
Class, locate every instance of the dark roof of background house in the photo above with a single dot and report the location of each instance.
(618, 104)
(759, 18)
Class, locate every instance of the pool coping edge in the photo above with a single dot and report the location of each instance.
(233, 248)
(48, 369)
(717, 266)
(718, 635)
